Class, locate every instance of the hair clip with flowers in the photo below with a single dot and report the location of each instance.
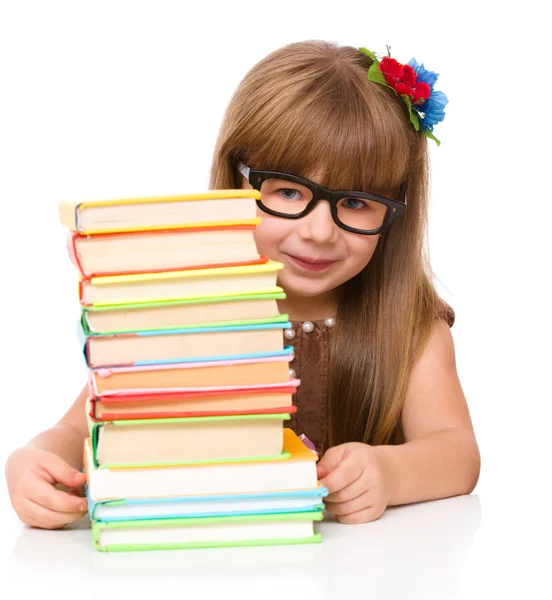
(414, 84)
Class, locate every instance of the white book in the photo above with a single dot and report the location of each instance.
(297, 472)
(251, 530)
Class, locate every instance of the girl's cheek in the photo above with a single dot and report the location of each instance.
(270, 232)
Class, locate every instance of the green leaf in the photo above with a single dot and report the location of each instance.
(429, 134)
(406, 100)
(370, 54)
(375, 75)
(414, 120)
(412, 114)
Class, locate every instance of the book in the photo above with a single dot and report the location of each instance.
(295, 472)
(217, 505)
(193, 404)
(168, 250)
(218, 207)
(209, 532)
(180, 345)
(229, 310)
(204, 376)
(195, 440)
(179, 285)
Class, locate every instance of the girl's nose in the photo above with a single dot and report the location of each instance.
(319, 225)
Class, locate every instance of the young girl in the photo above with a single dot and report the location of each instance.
(380, 396)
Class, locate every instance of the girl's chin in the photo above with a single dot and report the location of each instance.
(298, 286)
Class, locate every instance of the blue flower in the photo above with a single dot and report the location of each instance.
(433, 109)
(422, 74)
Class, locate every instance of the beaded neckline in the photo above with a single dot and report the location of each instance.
(308, 326)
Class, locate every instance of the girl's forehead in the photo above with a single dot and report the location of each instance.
(315, 176)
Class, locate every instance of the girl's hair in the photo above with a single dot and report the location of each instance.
(310, 108)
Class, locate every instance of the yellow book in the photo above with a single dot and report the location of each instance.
(179, 285)
(213, 208)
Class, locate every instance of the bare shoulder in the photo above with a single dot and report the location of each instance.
(435, 399)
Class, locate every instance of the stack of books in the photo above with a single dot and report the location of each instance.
(189, 384)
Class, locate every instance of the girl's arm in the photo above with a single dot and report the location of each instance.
(440, 457)
(44, 477)
(66, 438)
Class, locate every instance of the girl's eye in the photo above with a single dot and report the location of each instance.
(354, 203)
(289, 194)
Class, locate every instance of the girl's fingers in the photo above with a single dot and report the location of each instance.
(56, 470)
(366, 515)
(49, 497)
(49, 519)
(79, 492)
(356, 504)
(348, 471)
(349, 492)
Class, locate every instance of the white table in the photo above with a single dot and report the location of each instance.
(440, 549)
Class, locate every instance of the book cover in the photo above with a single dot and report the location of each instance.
(216, 207)
(207, 532)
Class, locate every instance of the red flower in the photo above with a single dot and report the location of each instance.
(401, 88)
(409, 76)
(421, 92)
(392, 70)
(402, 78)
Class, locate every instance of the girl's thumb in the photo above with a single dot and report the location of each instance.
(329, 461)
(63, 473)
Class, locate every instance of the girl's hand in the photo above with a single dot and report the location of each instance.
(32, 475)
(358, 482)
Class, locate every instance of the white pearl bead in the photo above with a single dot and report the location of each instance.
(292, 373)
(289, 334)
(329, 322)
(307, 326)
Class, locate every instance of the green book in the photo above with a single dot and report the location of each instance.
(207, 532)
(197, 440)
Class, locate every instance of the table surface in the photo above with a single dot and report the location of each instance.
(441, 549)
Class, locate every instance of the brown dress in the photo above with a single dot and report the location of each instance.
(310, 364)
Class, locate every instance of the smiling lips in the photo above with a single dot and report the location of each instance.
(310, 264)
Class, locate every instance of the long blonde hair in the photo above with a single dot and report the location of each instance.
(307, 107)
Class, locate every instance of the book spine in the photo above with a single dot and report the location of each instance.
(72, 251)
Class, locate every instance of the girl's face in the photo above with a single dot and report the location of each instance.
(318, 256)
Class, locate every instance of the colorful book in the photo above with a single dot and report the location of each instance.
(181, 345)
(218, 505)
(191, 284)
(296, 471)
(209, 532)
(218, 207)
(157, 251)
(261, 400)
(204, 376)
(205, 312)
(191, 440)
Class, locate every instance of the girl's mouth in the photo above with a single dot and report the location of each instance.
(310, 265)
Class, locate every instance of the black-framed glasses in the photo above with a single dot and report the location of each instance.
(293, 197)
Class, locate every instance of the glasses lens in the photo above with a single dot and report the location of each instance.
(360, 213)
(285, 196)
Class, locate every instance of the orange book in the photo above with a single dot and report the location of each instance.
(190, 376)
(259, 400)
(165, 250)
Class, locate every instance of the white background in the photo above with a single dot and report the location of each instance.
(115, 99)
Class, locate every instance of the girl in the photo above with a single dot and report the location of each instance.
(380, 396)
